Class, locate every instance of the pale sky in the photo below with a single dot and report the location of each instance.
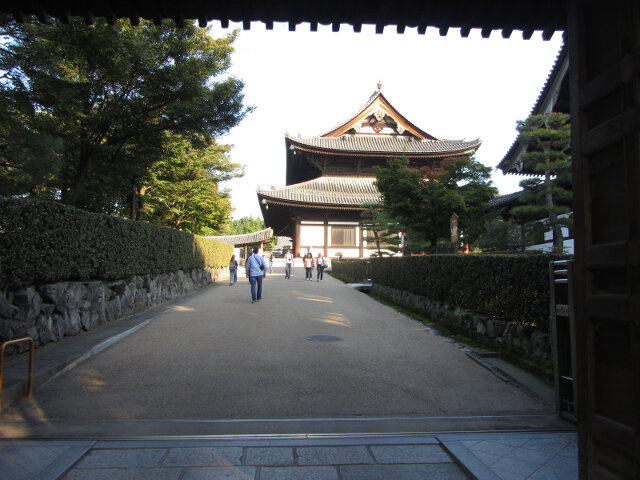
(309, 82)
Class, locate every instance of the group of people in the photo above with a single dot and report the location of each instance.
(319, 263)
(256, 270)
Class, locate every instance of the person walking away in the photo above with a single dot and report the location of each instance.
(320, 266)
(256, 270)
(308, 265)
(288, 264)
(271, 263)
(233, 270)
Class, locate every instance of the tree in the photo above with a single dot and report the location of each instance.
(423, 200)
(245, 225)
(384, 233)
(500, 235)
(182, 190)
(548, 140)
(106, 99)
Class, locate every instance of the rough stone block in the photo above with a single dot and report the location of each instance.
(28, 302)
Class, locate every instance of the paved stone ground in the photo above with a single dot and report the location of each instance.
(483, 456)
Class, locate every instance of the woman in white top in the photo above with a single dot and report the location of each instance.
(308, 265)
(320, 266)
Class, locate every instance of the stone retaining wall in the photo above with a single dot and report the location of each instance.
(529, 339)
(49, 312)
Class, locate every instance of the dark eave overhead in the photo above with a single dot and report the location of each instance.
(527, 16)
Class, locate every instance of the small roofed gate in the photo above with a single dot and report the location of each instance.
(604, 45)
(248, 240)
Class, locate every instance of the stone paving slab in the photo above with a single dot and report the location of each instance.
(403, 472)
(125, 474)
(203, 457)
(299, 473)
(333, 455)
(409, 454)
(270, 456)
(36, 459)
(516, 456)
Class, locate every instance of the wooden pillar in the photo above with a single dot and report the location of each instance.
(326, 238)
(245, 254)
(361, 241)
(604, 49)
(296, 240)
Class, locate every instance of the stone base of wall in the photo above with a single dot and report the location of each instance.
(49, 312)
(529, 339)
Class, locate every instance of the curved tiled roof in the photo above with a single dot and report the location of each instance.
(378, 97)
(252, 238)
(506, 199)
(544, 104)
(384, 144)
(345, 192)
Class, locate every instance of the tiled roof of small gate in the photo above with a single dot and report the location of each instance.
(252, 238)
(336, 191)
(385, 144)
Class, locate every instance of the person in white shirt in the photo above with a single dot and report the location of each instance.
(288, 264)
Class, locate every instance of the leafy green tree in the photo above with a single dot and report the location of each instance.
(500, 236)
(182, 190)
(106, 99)
(423, 200)
(245, 225)
(548, 141)
(380, 230)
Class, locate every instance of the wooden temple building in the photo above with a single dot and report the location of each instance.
(330, 177)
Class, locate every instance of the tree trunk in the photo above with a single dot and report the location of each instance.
(558, 241)
(375, 235)
(80, 180)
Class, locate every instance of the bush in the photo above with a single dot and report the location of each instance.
(349, 270)
(44, 242)
(512, 288)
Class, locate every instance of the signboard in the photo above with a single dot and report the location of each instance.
(454, 228)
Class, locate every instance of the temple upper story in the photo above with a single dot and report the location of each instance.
(371, 136)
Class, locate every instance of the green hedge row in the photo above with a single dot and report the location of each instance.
(349, 270)
(512, 288)
(43, 241)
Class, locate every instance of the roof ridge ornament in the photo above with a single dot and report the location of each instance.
(379, 89)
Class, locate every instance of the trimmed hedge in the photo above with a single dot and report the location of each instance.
(44, 241)
(512, 288)
(349, 270)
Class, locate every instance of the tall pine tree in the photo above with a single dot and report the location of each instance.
(547, 196)
(381, 231)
